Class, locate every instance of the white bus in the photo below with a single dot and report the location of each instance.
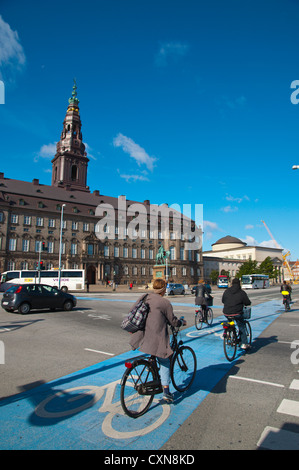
(70, 279)
(255, 281)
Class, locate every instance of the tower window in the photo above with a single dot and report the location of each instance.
(74, 173)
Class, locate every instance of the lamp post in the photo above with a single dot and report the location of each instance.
(60, 246)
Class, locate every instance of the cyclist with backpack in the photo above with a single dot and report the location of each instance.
(154, 339)
(234, 299)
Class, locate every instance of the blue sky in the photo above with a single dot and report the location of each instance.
(181, 101)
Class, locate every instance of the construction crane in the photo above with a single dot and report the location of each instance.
(285, 261)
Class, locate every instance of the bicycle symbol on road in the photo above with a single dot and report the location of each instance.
(74, 400)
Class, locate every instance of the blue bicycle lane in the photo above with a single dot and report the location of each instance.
(82, 410)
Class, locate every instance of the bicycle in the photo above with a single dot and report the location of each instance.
(232, 337)
(203, 315)
(286, 300)
(141, 380)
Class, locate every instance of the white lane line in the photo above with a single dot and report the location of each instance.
(99, 352)
(278, 439)
(256, 381)
(289, 407)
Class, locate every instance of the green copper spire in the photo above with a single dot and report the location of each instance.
(74, 100)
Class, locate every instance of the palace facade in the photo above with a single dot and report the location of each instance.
(63, 217)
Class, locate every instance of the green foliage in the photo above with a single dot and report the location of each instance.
(251, 267)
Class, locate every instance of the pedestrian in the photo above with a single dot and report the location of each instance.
(234, 298)
(154, 339)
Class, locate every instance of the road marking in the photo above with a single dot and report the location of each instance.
(278, 439)
(289, 407)
(99, 352)
(294, 385)
(256, 381)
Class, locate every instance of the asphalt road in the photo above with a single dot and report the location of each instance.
(43, 346)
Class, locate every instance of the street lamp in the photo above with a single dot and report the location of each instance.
(60, 247)
(295, 167)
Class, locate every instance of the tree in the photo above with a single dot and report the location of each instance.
(249, 267)
(214, 276)
(266, 267)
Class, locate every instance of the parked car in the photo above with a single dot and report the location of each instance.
(172, 289)
(36, 296)
(5, 285)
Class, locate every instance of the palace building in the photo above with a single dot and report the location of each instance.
(31, 214)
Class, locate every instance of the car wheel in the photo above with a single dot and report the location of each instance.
(24, 308)
(183, 292)
(68, 305)
(171, 292)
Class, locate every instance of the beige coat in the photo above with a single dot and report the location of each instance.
(155, 338)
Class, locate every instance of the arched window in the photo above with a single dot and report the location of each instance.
(74, 172)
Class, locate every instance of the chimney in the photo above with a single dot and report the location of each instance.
(35, 181)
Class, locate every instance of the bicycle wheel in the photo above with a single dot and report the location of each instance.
(230, 345)
(248, 331)
(209, 316)
(199, 319)
(134, 397)
(183, 368)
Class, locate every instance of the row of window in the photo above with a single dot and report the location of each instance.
(52, 223)
(126, 270)
(91, 250)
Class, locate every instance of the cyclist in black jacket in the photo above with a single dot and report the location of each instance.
(234, 298)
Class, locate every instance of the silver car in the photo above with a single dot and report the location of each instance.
(172, 289)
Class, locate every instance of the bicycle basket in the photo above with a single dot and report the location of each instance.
(246, 313)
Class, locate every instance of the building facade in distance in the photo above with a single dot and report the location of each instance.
(31, 214)
(229, 253)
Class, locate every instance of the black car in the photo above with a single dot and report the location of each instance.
(36, 296)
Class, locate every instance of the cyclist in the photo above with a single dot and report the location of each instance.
(286, 287)
(202, 293)
(234, 298)
(154, 339)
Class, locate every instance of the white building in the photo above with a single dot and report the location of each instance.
(229, 253)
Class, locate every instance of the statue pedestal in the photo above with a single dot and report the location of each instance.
(159, 271)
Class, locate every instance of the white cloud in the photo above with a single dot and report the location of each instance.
(269, 244)
(229, 209)
(209, 227)
(135, 151)
(134, 178)
(170, 51)
(249, 240)
(12, 56)
(237, 199)
(46, 151)
(249, 227)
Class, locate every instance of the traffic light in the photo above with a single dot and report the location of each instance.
(41, 266)
(44, 248)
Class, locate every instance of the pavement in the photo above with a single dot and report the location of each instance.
(82, 410)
